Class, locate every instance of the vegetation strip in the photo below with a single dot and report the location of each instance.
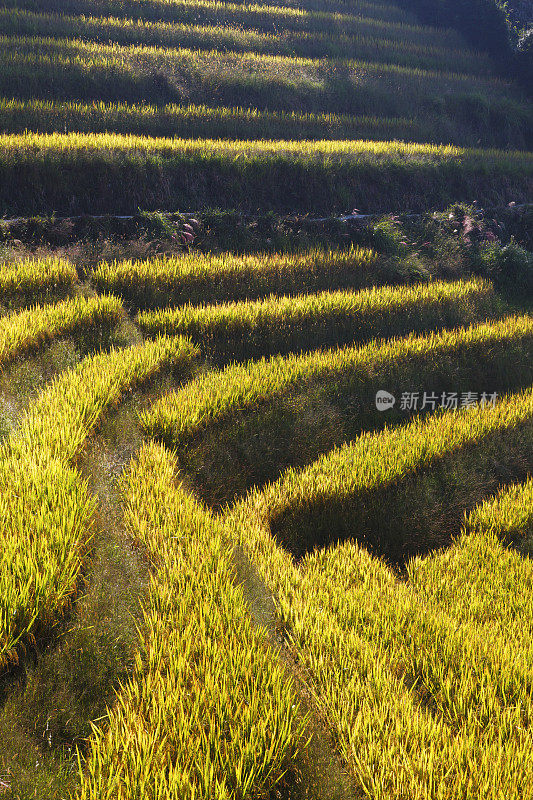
(31, 279)
(389, 672)
(386, 660)
(152, 172)
(74, 70)
(198, 278)
(479, 580)
(276, 117)
(260, 15)
(39, 49)
(218, 395)
(209, 711)
(45, 509)
(235, 39)
(189, 121)
(281, 324)
(35, 326)
(352, 150)
(404, 489)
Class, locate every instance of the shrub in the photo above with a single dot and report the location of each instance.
(511, 266)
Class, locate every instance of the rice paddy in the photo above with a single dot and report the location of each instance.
(265, 327)
(37, 170)
(46, 511)
(221, 75)
(435, 489)
(30, 280)
(266, 490)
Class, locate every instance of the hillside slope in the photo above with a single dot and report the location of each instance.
(344, 72)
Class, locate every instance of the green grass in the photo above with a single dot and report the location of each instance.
(287, 324)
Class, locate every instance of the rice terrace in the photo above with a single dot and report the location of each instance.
(266, 400)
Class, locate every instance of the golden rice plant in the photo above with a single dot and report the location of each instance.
(33, 327)
(71, 50)
(49, 146)
(209, 711)
(420, 706)
(425, 697)
(29, 279)
(480, 579)
(92, 71)
(323, 170)
(475, 356)
(188, 121)
(403, 490)
(285, 324)
(353, 150)
(237, 39)
(46, 510)
(198, 278)
(263, 16)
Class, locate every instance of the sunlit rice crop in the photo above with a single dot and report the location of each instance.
(418, 705)
(358, 372)
(284, 324)
(29, 279)
(210, 710)
(200, 278)
(46, 511)
(318, 44)
(35, 326)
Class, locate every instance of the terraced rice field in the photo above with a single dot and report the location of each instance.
(266, 517)
(334, 598)
(290, 107)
